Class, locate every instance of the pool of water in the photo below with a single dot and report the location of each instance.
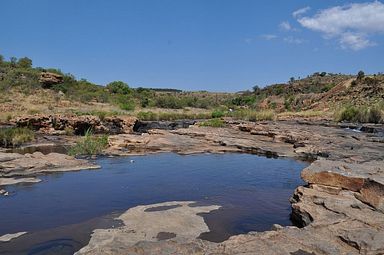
(253, 192)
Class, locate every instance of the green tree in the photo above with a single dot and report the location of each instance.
(360, 75)
(256, 89)
(13, 61)
(24, 62)
(118, 87)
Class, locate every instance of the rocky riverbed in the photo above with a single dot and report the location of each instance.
(340, 211)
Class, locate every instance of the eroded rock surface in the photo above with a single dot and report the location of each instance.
(284, 139)
(9, 237)
(176, 221)
(17, 168)
(340, 211)
(58, 124)
(16, 165)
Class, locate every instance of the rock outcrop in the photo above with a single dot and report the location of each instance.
(145, 126)
(176, 221)
(340, 211)
(17, 168)
(48, 79)
(58, 124)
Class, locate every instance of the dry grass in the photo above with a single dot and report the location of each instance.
(15, 103)
(305, 114)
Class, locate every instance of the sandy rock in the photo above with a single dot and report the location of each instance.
(48, 79)
(9, 237)
(171, 220)
(16, 165)
(56, 124)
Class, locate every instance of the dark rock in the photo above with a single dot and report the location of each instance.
(144, 126)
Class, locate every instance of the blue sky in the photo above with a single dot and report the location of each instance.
(215, 45)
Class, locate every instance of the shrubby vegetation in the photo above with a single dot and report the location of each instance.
(362, 114)
(216, 122)
(19, 74)
(259, 104)
(167, 116)
(10, 137)
(89, 145)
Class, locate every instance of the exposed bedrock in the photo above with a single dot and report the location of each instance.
(17, 168)
(176, 221)
(144, 126)
(340, 211)
(58, 124)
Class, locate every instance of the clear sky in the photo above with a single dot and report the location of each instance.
(215, 45)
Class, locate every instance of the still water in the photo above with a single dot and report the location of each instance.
(60, 212)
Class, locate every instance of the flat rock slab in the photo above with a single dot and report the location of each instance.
(9, 237)
(12, 181)
(176, 221)
(18, 165)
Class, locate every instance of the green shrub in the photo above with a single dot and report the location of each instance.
(349, 113)
(146, 116)
(15, 136)
(373, 114)
(217, 114)
(89, 145)
(118, 87)
(169, 116)
(212, 123)
(127, 106)
(252, 115)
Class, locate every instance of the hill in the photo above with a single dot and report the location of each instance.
(30, 90)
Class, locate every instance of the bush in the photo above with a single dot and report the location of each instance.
(15, 136)
(89, 145)
(217, 114)
(349, 113)
(212, 123)
(127, 106)
(118, 87)
(168, 116)
(252, 115)
(363, 114)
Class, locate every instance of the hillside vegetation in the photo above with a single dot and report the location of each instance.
(29, 90)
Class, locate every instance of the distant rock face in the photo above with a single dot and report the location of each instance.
(57, 124)
(144, 126)
(48, 79)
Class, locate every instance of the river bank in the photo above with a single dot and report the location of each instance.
(340, 210)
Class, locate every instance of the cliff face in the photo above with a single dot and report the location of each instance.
(58, 124)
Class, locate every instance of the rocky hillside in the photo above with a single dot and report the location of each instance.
(30, 90)
(318, 92)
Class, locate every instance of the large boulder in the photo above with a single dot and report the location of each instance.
(48, 79)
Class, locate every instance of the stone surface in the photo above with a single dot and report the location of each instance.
(176, 220)
(340, 211)
(9, 237)
(144, 126)
(284, 139)
(17, 165)
(48, 79)
(57, 124)
(11, 181)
